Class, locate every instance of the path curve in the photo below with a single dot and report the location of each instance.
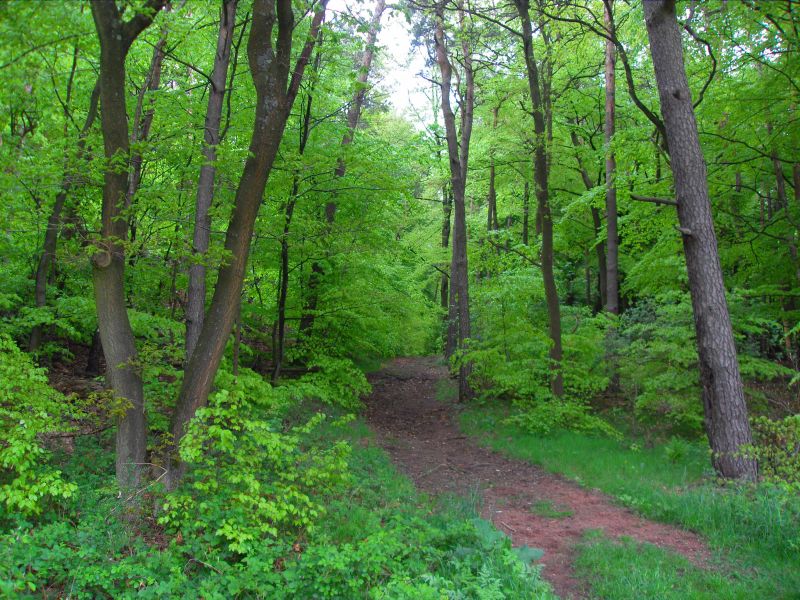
(420, 434)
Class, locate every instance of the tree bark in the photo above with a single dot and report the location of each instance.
(458, 154)
(540, 175)
(447, 209)
(724, 406)
(526, 197)
(612, 238)
(196, 295)
(276, 89)
(491, 221)
(108, 262)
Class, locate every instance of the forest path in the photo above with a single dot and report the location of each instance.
(421, 435)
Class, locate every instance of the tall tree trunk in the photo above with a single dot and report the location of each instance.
(526, 198)
(196, 296)
(491, 224)
(723, 396)
(447, 209)
(276, 89)
(612, 239)
(353, 115)
(540, 175)
(458, 154)
(108, 262)
(71, 174)
(283, 285)
(597, 223)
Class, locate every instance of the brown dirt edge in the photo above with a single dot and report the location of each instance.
(421, 436)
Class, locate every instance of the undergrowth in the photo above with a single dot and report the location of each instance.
(754, 529)
(365, 533)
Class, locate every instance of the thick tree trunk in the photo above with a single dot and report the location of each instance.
(108, 262)
(276, 90)
(726, 420)
(544, 216)
(612, 241)
(196, 296)
(458, 154)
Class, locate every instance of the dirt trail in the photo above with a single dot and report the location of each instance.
(423, 439)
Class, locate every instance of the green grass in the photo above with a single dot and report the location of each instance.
(549, 510)
(756, 531)
(627, 570)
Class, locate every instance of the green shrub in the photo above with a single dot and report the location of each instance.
(250, 481)
(776, 447)
(29, 409)
(545, 417)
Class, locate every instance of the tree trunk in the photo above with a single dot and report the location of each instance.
(612, 238)
(196, 296)
(526, 197)
(540, 175)
(597, 223)
(270, 69)
(491, 224)
(447, 209)
(723, 397)
(108, 262)
(458, 154)
(53, 222)
(353, 115)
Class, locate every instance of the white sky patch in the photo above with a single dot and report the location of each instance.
(400, 82)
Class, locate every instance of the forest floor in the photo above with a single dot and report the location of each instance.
(419, 430)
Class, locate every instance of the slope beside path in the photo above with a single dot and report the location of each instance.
(421, 435)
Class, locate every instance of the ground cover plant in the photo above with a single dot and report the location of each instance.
(238, 236)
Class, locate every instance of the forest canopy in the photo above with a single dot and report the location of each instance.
(217, 223)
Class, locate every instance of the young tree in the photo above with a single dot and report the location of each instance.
(725, 411)
(612, 241)
(540, 176)
(196, 296)
(277, 85)
(458, 153)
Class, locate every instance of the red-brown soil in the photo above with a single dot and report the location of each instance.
(421, 436)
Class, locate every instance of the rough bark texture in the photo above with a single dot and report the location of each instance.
(540, 175)
(108, 263)
(458, 155)
(196, 295)
(723, 396)
(526, 197)
(276, 89)
(612, 240)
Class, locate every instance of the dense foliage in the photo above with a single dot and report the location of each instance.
(348, 263)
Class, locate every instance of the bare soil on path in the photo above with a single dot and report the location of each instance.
(421, 435)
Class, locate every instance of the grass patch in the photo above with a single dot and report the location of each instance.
(446, 391)
(755, 530)
(549, 510)
(627, 570)
(377, 539)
